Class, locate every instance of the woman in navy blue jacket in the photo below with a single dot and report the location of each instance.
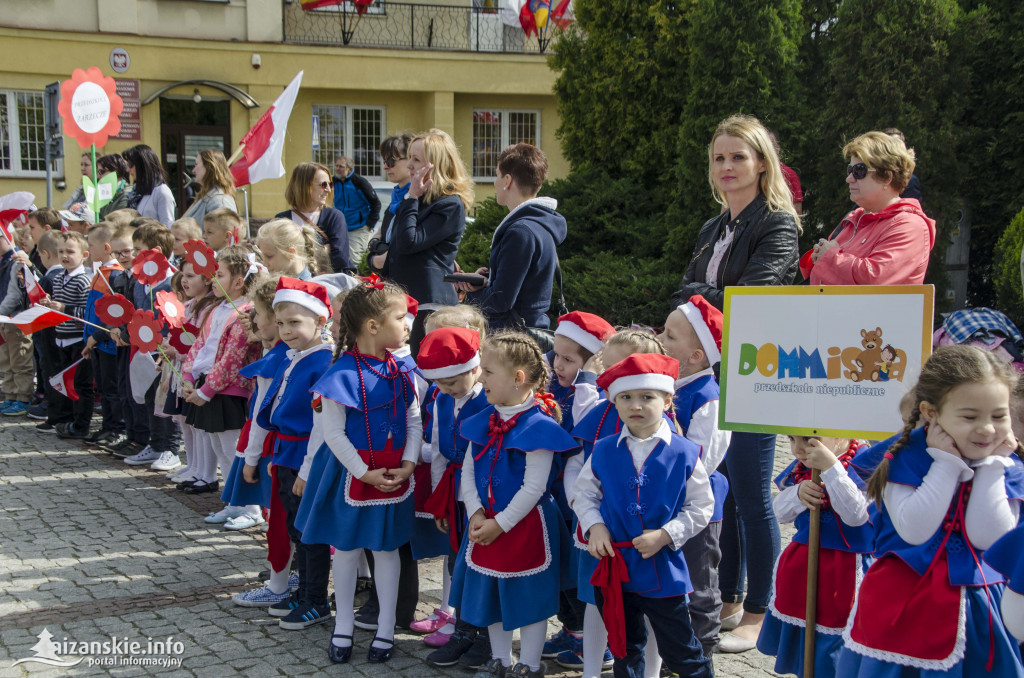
(309, 187)
(428, 225)
(523, 250)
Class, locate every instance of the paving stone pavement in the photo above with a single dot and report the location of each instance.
(91, 548)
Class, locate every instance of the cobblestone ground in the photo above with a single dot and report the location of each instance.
(91, 548)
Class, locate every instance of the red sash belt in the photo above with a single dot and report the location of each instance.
(609, 576)
(388, 458)
(271, 441)
(279, 547)
(442, 503)
(243, 436)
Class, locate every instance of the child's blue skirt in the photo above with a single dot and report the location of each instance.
(237, 492)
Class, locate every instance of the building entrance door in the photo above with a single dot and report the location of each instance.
(187, 127)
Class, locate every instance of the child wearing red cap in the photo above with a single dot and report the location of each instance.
(693, 336)
(450, 357)
(301, 309)
(578, 337)
(639, 498)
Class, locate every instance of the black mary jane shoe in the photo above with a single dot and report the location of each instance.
(339, 655)
(196, 488)
(378, 655)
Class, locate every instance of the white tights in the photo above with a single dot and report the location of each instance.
(386, 567)
(224, 450)
(531, 643)
(205, 468)
(595, 640)
(279, 578)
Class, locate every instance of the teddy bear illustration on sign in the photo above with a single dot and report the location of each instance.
(869, 361)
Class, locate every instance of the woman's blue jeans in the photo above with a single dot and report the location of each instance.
(750, 534)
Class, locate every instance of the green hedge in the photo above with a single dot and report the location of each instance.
(1006, 270)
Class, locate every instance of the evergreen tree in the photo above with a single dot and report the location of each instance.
(892, 63)
(743, 59)
(992, 136)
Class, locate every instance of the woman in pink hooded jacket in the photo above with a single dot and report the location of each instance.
(887, 240)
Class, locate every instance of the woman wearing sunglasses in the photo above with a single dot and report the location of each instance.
(887, 239)
(752, 242)
(394, 154)
(309, 187)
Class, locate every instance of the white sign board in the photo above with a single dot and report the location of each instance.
(827, 360)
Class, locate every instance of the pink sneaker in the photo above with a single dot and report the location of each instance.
(432, 623)
(440, 638)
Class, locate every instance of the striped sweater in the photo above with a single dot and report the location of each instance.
(71, 289)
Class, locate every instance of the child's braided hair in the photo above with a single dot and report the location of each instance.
(521, 352)
(948, 367)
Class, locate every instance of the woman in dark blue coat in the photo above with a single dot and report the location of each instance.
(428, 225)
(309, 187)
(523, 250)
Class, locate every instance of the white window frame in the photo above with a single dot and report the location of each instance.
(10, 100)
(348, 136)
(505, 141)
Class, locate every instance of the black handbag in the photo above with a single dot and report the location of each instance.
(545, 338)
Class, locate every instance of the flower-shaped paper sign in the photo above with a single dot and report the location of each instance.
(182, 338)
(202, 258)
(90, 105)
(150, 267)
(170, 308)
(144, 331)
(114, 309)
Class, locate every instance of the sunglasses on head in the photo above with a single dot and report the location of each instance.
(859, 171)
(324, 185)
(391, 162)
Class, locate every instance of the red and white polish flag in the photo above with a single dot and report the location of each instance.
(64, 382)
(36, 318)
(261, 158)
(33, 289)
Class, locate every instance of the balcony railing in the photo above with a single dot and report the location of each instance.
(400, 25)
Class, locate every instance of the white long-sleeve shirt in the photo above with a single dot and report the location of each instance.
(847, 500)
(438, 462)
(918, 512)
(332, 422)
(703, 427)
(535, 478)
(691, 519)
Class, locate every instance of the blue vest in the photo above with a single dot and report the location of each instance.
(635, 501)
(909, 468)
(266, 368)
(502, 470)
(688, 399)
(426, 412)
(565, 395)
(599, 422)
(449, 443)
(387, 398)
(835, 534)
(294, 413)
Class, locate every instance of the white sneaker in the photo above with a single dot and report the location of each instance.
(244, 521)
(166, 462)
(224, 515)
(147, 456)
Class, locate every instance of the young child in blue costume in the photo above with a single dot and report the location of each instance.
(512, 560)
(578, 337)
(301, 309)
(639, 497)
(601, 421)
(928, 605)
(359, 494)
(1006, 557)
(257, 450)
(845, 534)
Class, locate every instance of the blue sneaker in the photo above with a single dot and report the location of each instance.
(5, 404)
(560, 642)
(574, 660)
(16, 409)
(261, 597)
(304, 616)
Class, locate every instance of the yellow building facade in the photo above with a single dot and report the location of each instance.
(205, 70)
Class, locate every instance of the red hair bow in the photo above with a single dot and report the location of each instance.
(373, 281)
(546, 401)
